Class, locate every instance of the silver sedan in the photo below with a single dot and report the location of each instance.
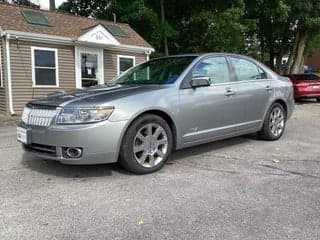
(156, 107)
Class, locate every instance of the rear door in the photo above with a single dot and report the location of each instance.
(254, 89)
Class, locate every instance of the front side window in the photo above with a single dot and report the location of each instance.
(214, 67)
(158, 71)
(124, 63)
(247, 70)
(45, 69)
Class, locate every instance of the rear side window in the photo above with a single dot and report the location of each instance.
(247, 70)
(214, 67)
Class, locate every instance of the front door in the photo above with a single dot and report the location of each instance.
(209, 112)
(89, 67)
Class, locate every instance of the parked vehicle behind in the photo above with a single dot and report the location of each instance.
(156, 107)
(306, 86)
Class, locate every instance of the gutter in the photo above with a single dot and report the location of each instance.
(7, 49)
(37, 37)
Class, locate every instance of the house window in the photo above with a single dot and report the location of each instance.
(44, 67)
(125, 62)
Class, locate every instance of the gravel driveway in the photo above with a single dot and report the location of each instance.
(241, 188)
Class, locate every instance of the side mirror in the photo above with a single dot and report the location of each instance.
(196, 82)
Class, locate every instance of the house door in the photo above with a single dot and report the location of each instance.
(89, 67)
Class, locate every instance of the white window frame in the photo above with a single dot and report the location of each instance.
(78, 51)
(124, 56)
(33, 67)
(1, 72)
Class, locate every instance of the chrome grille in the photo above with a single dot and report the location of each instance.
(38, 116)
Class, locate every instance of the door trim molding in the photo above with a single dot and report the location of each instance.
(78, 51)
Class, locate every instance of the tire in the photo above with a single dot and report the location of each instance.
(274, 123)
(318, 99)
(146, 145)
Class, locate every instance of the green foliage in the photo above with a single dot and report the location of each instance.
(264, 29)
(218, 31)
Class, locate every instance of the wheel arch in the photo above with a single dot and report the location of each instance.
(280, 101)
(159, 112)
(283, 104)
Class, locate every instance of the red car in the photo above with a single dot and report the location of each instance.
(305, 86)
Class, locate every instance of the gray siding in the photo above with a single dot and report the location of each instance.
(110, 62)
(2, 88)
(21, 72)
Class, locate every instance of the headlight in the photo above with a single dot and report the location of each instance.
(83, 115)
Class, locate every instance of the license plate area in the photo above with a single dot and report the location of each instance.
(316, 86)
(23, 135)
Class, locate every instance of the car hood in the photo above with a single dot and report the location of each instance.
(93, 97)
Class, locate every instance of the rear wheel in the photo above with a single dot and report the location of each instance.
(318, 99)
(146, 145)
(274, 123)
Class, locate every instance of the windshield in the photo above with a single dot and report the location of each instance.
(158, 71)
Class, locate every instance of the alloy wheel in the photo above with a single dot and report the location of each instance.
(150, 145)
(276, 121)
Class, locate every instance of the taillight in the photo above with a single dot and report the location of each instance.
(302, 84)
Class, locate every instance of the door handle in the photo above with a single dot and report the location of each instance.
(269, 88)
(229, 93)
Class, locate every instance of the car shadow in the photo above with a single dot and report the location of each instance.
(55, 168)
(304, 101)
(208, 147)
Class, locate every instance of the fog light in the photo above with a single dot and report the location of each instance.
(73, 152)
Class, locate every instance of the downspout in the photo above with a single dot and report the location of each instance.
(7, 38)
(148, 54)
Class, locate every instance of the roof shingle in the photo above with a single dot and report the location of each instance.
(64, 25)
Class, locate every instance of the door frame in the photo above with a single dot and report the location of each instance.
(78, 51)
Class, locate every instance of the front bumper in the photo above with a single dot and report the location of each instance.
(100, 142)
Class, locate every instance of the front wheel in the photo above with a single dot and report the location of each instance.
(146, 145)
(318, 99)
(274, 123)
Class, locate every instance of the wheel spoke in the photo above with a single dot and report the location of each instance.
(162, 141)
(158, 132)
(138, 148)
(142, 158)
(151, 160)
(140, 136)
(149, 129)
(160, 153)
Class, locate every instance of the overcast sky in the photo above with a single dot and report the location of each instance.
(44, 4)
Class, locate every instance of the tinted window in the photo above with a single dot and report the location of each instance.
(214, 67)
(307, 77)
(247, 70)
(45, 67)
(125, 64)
(158, 71)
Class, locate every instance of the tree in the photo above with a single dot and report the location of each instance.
(305, 16)
(87, 8)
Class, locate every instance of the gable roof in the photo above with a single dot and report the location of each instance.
(63, 25)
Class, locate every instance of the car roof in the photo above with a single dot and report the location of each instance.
(203, 55)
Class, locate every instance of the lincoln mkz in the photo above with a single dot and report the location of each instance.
(156, 107)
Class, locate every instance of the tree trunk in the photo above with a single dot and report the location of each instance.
(279, 63)
(163, 20)
(271, 59)
(298, 60)
(292, 54)
(52, 6)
